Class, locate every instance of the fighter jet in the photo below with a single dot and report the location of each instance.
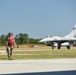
(58, 41)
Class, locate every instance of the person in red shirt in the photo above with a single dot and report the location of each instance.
(10, 43)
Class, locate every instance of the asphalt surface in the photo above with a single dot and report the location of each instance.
(38, 67)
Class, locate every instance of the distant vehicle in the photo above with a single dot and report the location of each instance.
(58, 41)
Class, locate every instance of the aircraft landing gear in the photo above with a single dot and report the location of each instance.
(52, 45)
(68, 47)
(59, 46)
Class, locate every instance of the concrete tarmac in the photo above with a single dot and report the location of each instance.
(37, 66)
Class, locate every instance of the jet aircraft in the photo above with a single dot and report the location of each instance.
(58, 41)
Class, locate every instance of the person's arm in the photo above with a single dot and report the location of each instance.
(14, 43)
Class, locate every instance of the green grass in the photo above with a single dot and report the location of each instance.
(3, 57)
(41, 53)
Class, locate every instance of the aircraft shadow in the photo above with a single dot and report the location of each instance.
(47, 73)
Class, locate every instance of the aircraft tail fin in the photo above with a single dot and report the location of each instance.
(73, 32)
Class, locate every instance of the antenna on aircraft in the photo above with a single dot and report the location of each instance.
(74, 27)
(48, 36)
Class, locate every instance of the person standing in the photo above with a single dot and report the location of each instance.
(10, 44)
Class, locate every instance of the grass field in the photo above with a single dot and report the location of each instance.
(41, 52)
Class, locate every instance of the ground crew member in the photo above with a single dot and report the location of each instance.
(10, 43)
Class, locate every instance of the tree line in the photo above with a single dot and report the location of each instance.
(21, 38)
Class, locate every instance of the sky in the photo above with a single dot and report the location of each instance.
(37, 18)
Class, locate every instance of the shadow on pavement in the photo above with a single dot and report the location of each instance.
(47, 73)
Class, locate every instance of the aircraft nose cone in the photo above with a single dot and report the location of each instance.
(45, 40)
(41, 40)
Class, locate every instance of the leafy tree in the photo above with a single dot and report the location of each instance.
(21, 38)
(3, 39)
(33, 41)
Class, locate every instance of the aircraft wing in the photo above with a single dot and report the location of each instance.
(56, 39)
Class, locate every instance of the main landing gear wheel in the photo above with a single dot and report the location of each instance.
(59, 47)
(68, 47)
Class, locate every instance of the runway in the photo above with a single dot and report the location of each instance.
(36, 66)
